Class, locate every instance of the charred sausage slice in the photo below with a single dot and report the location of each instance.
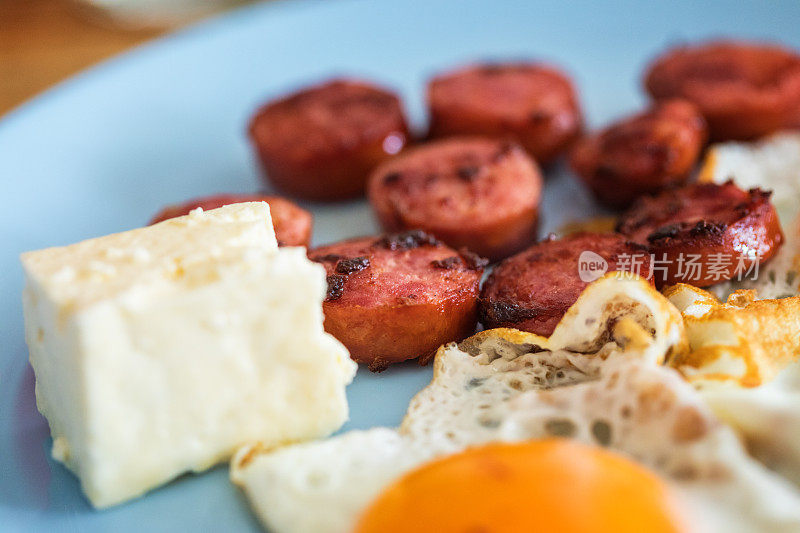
(477, 193)
(641, 154)
(532, 290)
(322, 142)
(704, 233)
(399, 296)
(292, 224)
(534, 104)
(743, 89)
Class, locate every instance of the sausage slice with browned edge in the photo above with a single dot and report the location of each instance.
(532, 290)
(322, 142)
(641, 154)
(532, 103)
(399, 296)
(292, 223)
(743, 89)
(704, 233)
(477, 193)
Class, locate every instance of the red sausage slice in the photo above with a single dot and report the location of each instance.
(743, 89)
(399, 296)
(532, 290)
(477, 193)
(292, 224)
(533, 104)
(322, 142)
(704, 233)
(641, 154)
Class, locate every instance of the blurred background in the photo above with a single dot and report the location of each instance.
(44, 41)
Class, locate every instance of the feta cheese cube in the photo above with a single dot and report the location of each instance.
(162, 350)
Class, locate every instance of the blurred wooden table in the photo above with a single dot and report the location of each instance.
(44, 41)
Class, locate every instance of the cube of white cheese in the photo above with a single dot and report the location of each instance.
(164, 349)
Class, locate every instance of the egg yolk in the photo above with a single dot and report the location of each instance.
(552, 485)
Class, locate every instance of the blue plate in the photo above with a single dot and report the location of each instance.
(104, 151)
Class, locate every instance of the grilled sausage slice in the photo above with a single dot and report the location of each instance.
(743, 89)
(398, 296)
(531, 103)
(477, 193)
(704, 233)
(641, 154)
(322, 142)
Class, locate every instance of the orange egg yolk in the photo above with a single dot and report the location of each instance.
(552, 485)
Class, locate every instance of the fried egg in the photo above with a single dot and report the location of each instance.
(597, 380)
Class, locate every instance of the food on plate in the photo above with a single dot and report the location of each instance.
(156, 354)
(532, 290)
(743, 340)
(209, 335)
(772, 163)
(477, 193)
(567, 487)
(641, 154)
(743, 89)
(704, 233)
(322, 142)
(398, 296)
(292, 223)
(598, 381)
(532, 103)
